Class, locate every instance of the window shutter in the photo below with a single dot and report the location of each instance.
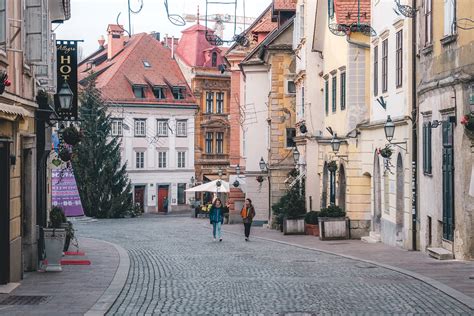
(424, 149)
(37, 31)
(428, 148)
(3, 22)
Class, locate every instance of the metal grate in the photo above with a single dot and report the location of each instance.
(24, 300)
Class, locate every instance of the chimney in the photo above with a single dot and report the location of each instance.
(101, 41)
(156, 35)
(172, 47)
(116, 40)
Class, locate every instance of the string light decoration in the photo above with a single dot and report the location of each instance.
(464, 24)
(343, 29)
(174, 18)
(405, 10)
(215, 40)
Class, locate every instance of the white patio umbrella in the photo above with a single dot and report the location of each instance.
(211, 187)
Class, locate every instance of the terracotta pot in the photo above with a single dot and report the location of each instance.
(311, 229)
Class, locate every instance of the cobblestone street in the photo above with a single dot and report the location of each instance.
(176, 268)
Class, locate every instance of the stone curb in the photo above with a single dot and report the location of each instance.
(455, 294)
(110, 295)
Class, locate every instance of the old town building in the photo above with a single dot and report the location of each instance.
(152, 110)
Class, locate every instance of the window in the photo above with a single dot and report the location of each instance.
(326, 95)
(385, 65)
(302, 102)
(399, 61)
(209, 140)
(449, 17)
(331, 8)
(178, 93)
(181, 193)
(301, 21)
(181, 128)
(427, 148)
(214, 59)
(146, 64)
(181, 159)
(159, 92)
(220, 142)
(116, 127)
(376, 70)
(3, 21)
(291, 87)
(139, 159)
(139, 92)
(333, 96)
(162, 159)
(290, 134)
(343, 91)
(220, 102)
(162, 128)
(428, 22)
(209, 102)
(140, 128)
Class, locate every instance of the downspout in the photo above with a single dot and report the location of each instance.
(414, 136)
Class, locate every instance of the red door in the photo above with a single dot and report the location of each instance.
(163, 203)
(139, 196)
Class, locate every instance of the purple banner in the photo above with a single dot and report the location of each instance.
(64, 192)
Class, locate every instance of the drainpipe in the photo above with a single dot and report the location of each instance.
(414, 136)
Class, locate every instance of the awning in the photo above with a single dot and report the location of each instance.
(10, 112)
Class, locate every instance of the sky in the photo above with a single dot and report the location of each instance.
(89, 18)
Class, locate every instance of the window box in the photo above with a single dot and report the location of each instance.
(428, 49)
(448, 39)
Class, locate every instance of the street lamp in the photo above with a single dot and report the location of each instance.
(296, 155)
(335, 143)
(192, 180)
(262, 164)
(220, 172)
(389, 129)
(65, 96)
(237, 170)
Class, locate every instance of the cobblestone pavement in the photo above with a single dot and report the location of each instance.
(176, 268)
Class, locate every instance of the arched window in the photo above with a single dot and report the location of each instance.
(214, 59)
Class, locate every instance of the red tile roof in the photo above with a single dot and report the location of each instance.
(346, 11)
(115, 28)
(115, 77)
(265, 25)
(284, 5)
(194, 49)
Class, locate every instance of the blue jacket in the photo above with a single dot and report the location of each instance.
(216, 215)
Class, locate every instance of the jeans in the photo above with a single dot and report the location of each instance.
(247, 229)
(216, 230)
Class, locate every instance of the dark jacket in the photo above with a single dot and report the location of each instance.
(248, 216)
(216, 215)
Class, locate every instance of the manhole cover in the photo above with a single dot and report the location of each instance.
(24, 300)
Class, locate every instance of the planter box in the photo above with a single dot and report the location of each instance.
(293, 226)
(331, 228)
(54, 244)
(312, 230)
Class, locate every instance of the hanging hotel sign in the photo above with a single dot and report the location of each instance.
(66, 59)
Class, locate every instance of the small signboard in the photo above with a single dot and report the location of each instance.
(65, 193)
(66, 59)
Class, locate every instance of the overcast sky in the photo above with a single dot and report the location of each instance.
(89, 18)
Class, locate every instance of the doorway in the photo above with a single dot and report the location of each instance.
(163, 203)
(139, 196)
(448, 181)
(342, 187)
(4, 212)
(400, 205)
(28, 214)
(376, 220)
(324, 195)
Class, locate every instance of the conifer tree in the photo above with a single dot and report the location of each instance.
(102, 180)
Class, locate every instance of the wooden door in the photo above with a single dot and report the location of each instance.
(448, 182)
(139, 196)
(162, 194)
(4, 212)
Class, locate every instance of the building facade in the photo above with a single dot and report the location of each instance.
(445, 94)
(152, 111)
(27, 58)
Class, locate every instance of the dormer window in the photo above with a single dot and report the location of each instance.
(146, 64)
(159, 92)
(178, 93)
(139, 92)
(214, 59)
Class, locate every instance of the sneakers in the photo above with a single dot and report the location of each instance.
(246, 239)
(214, 238)
(220, 239)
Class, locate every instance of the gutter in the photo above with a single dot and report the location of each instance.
(414, 165)
(359, 44)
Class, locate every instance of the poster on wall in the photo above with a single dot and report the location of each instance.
(65, 193)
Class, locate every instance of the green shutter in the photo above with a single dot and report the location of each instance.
(428, 148)
(326, 90)
(334, 87)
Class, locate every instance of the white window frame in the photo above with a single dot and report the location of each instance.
(139, 160)
(162, 159)
(220, 96)
(181, 128)
(287, 87)
(162, 127)
(139, 128)
(209, 150)
(116, 127)
(219, 143)
(449, 17)
(162, 94)
(209, 102)
(181, 163)
(3, 23)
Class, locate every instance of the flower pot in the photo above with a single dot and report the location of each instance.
(311, 229)
(331, 228)
(293, 226)
(54, 239)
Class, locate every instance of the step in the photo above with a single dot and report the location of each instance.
(373, 238)
(440, 253)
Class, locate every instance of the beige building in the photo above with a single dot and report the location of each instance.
(27, 58)
(445, 95)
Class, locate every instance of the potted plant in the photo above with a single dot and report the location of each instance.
(54, 239)
(311, 226)
(468, 122)
(333, 223)
(332, 166)
(290, 210)
(386, 152)
(71, 135)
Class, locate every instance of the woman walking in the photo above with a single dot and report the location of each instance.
(216, 217)
(247, 213)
